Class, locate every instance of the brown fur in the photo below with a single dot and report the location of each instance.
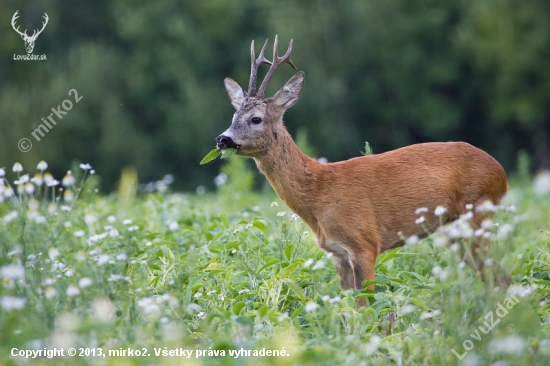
(357, 207)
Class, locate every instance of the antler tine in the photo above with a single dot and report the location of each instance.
(13, 19)
(277, 61)
(255, 64)
(46, 18)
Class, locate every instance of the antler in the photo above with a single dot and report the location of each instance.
(34, 34)
(13, 19)
(254, 68)
(277, 61)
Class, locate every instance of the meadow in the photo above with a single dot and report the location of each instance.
(232, 277)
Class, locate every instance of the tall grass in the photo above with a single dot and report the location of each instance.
(237, 270)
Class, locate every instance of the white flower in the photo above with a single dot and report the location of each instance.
(503, 231)
(487, 224)
(122, 256)
(68, 195)
(274, 204)
(37, 179)
(113, 233)
(335, 299)
(78, 233)
(244, 290)
(486, 206)
(2, 172)
(318, 265)
(42, 165)
(407, 309)
(308, 262)
(420, 220)
(103, 309)
(220, 179)
(8, 191)
(85, 166)
(440, 239)
(13, 271)
(469, 206)
(53, 253)
(173, 226)
(69, 273)
(52, 208)
(50, 292)
(148, 306)
(193, 307)
(29, 188)
(23, 179)
(436, 270)
(295, 217)
(81, 256)
(72, 290)
(17, 167)
(68, 180)
(282, 213)
(127, 221)
(454, 247)
(440, 210)
(509, 344)
(111, 219)
(311, 306)
(12, 303)
(201, 315)
(429, 314)
(373, 344)
(197, 295)
(84, 282)
(420, 210)
(103, 258)
(541, 183)
(90, 218)
(325, 298)
(133, 228)
(11, 216)
(65, 208)
(413, 239)
(283, 317)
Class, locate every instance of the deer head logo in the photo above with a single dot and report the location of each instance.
(29, 40)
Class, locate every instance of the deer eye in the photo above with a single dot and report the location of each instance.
(256, 120)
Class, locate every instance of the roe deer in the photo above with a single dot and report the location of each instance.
(363, 206)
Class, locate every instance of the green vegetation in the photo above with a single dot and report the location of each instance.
(238, 270)
(392, 72)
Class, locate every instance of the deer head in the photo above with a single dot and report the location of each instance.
(257, 120)
(29, 40)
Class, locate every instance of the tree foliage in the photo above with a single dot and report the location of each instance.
(392, 72)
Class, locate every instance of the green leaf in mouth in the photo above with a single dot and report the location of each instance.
(213, 154)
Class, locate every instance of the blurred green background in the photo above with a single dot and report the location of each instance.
(393, 72)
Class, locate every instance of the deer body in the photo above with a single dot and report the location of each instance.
(360, 207)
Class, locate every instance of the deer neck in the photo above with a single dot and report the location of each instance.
(292, 174)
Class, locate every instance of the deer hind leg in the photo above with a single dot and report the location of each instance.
(479, 254)
(345, 270)
(363, 270)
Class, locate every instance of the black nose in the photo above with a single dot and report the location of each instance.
(225, 142)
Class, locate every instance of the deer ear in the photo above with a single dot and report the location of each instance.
(235, 92)
(290, 92)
